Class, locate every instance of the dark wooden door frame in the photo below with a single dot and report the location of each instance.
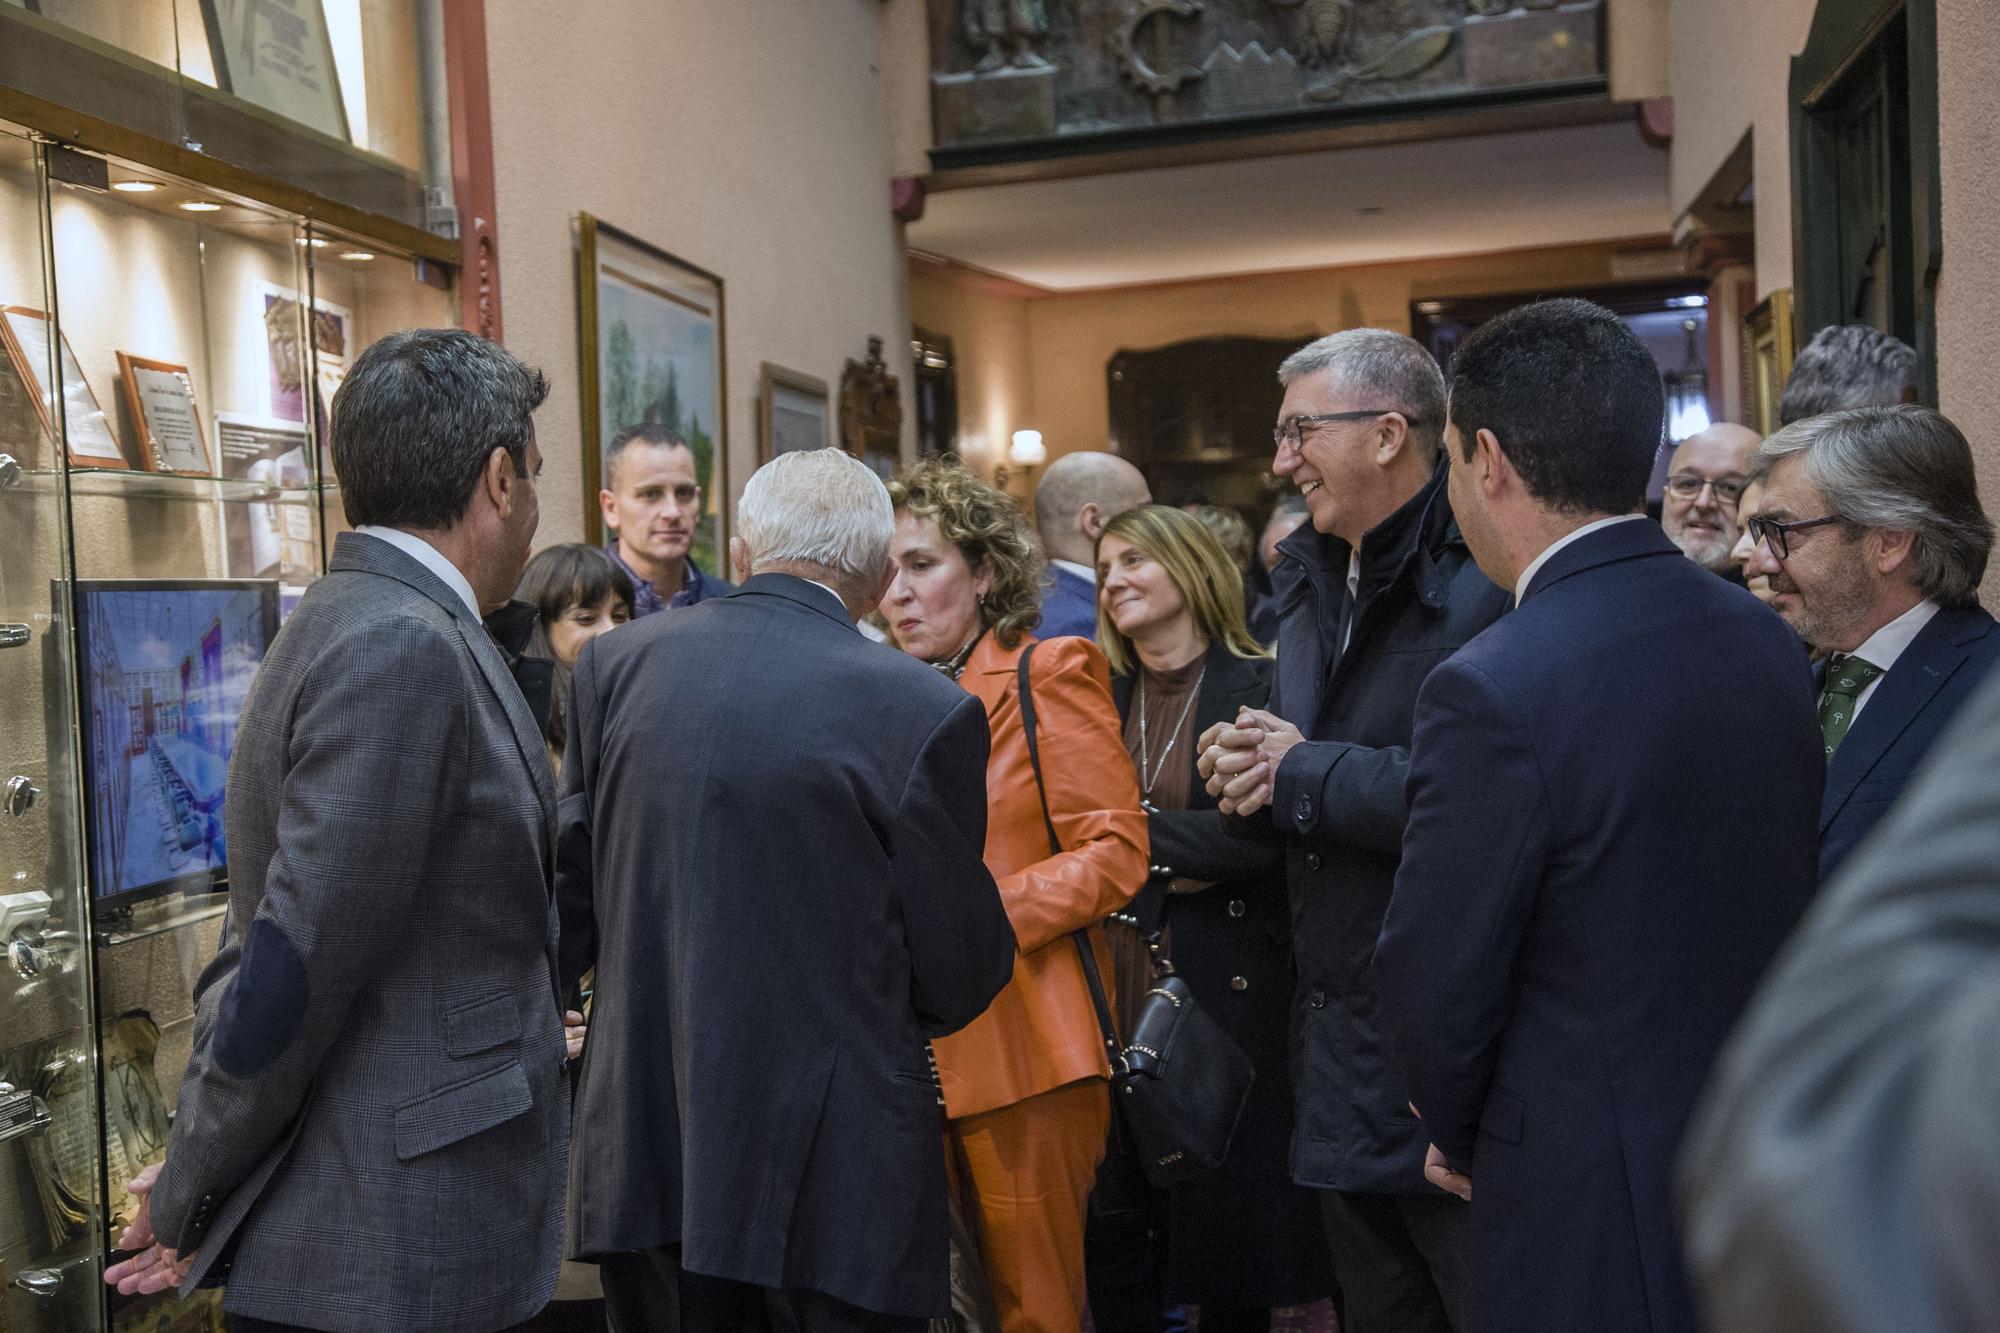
(1843, 34)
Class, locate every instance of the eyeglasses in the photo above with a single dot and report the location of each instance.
(1687, 486)
(1777, 536)
(1290, 432)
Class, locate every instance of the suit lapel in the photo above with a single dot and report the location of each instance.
(1905, 691)
(362, 553)
(520, 719)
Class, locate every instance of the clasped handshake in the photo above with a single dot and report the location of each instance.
(1239, 760)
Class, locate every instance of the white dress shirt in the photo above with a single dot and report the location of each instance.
(1890, 642)
(1528, 574)
(430, 558)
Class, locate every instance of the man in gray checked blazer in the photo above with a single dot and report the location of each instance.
(372, 1130)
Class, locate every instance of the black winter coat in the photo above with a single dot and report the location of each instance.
(1339, 801)
(1243, 1234)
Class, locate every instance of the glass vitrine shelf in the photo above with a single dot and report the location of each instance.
(127, 484)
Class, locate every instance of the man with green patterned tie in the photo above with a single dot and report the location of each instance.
(1874, 542)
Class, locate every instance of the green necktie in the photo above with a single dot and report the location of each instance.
(1846, 677)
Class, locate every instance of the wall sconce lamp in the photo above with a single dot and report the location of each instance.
(1026, 452)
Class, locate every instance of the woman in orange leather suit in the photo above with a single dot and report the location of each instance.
(1025, 1084)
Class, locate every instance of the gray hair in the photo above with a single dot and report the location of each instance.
(817, 507)
(416, 420)
(1848, 365)
(1391, 369)
(1906, 469)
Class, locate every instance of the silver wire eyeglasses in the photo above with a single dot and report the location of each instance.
(1686, 486)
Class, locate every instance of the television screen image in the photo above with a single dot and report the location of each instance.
(166, 667)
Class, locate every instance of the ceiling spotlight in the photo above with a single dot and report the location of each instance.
(135, 187)
(315, 242)
(358, 256)
(201, 206)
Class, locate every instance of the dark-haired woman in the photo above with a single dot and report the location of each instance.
(578, 593)
(1025, 1083)
(1244, 1239)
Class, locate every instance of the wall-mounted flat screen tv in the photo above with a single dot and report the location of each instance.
(165, 668)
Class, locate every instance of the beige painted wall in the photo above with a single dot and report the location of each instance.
(1731, 67)
(1969, 147)
(750, 139)
(1039, 361)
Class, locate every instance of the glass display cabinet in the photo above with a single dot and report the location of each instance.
(169, 346)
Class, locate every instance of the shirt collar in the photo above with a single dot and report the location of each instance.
(1084, 572)
(1528, 574)
(1890, 642)
(829, 592)
(430, 558)
(645, 596)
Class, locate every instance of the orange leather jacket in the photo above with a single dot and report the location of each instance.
(1041, 1031)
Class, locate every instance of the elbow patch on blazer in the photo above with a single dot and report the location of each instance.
(264, 1006)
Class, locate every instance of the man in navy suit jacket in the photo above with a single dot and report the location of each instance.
(1079, 494)
(1581, 913)
(1871, 534)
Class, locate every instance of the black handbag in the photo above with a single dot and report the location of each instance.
(1180, 1084)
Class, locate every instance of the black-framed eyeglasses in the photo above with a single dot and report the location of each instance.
(1687, 486)
(1289, 433)
(1776, 535)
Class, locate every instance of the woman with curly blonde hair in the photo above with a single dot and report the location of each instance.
(1025, 1085)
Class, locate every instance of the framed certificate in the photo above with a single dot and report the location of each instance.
(90, 440)
(278, 54)
(161, 396)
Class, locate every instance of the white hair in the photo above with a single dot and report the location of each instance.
(820, 507)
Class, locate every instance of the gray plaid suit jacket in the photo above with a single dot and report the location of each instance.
(373, 1128)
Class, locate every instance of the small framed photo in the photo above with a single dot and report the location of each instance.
(793, 412)
(161, 397)
(28, 335)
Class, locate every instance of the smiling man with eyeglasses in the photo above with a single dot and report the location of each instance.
(1704, 482)
(1871, 534)
(1373, 592)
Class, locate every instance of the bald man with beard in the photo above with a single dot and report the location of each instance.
(1079, 494)
(1704, 482)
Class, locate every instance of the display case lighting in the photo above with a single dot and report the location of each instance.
(201, 206)
(357, 256)
(315, 242)
(134, 187)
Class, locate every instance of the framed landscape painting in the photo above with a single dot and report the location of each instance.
(651, 336)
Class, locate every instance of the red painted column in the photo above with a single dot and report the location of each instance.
(472, 164)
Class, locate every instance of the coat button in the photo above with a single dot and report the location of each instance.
(1238, 983)
(1305, 808)
(1313, 861)
(1237, 907)
(1317, 999)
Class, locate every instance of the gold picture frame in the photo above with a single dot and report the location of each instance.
(653, 345)
(795, 412)
(1770, 341)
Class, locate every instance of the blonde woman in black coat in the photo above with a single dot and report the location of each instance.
(1243, 1240)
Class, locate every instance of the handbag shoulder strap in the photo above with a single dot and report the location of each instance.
(1085, 955)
